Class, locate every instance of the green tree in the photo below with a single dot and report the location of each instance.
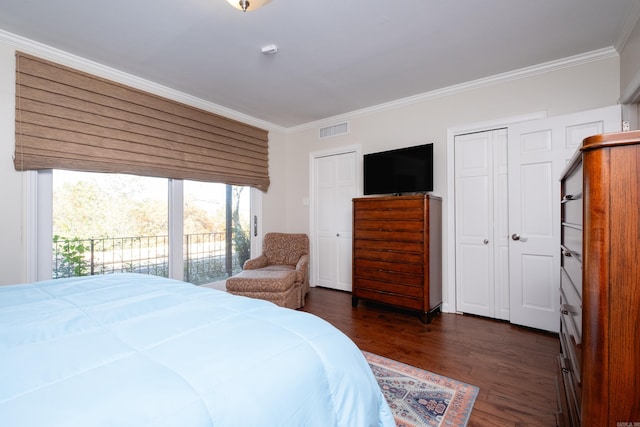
(72, 259)
(77, 210)
(198, 220)
(115, 207)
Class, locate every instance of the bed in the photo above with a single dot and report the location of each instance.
(136, 350)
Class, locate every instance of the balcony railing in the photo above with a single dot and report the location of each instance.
(206, 256)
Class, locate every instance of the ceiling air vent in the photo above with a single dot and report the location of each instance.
(334, 130)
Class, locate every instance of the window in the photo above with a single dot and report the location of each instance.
(106, 223)
(216, 230)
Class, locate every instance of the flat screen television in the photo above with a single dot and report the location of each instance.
(405, 170)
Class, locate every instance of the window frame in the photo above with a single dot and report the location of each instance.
(39, 227)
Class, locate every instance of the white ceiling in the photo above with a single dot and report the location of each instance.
(335, 56)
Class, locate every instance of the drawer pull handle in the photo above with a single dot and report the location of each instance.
(566, 251)
(565, 371)
(568, 309)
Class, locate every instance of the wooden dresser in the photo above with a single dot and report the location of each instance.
(397, 253)
(599, 363)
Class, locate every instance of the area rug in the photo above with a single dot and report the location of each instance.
(421, 398)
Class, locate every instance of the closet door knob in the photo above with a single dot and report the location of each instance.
(485, 241)
(515, 236)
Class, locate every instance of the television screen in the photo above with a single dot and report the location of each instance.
(405, 170)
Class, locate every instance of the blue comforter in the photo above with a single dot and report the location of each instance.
(135, 350)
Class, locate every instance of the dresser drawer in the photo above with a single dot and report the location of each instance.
(390, 225)
(391, 203)
(363, 213)
(572, 239)
(389, 245)
(572, 267)
(399, 236)
(571, 308)
(398, 288)
(388, 267)
(571, 336)
(572, 408)
(572, 184)
(397, 300)
(391, 256)
(387, 276)
(572, 210)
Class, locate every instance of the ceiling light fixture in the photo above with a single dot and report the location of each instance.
(246, 5)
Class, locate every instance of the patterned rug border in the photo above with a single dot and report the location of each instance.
(458, 411)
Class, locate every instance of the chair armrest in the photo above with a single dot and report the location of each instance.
(303, 264)
(255, 263)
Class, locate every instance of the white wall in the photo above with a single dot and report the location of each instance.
(565, 90)
(274, 200)
(630, 66)
(630, 77)
(12, 263)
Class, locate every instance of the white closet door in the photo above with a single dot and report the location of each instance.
(481, 230)
(538, 152)
(334, 188)
(501, 225)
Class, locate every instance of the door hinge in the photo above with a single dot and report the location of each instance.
(626, 126)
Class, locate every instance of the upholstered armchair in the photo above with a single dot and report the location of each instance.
(284, 252)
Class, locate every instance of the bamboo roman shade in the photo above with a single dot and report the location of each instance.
(68, 119)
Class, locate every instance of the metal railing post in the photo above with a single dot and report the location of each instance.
(187, 257)
(92, 257)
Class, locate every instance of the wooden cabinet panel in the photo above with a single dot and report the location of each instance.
(600, 349)
(396, 259)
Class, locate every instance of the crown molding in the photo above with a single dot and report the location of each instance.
(64, 58)
(627, 28)
(547, 67)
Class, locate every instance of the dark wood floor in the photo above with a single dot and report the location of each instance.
(513, 366)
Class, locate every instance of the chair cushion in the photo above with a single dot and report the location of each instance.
(261, 281)
(281, 267)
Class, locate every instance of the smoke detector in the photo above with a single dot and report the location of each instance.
(269, 49)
